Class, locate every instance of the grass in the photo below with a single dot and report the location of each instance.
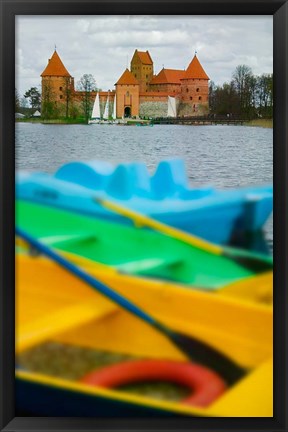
(79, 120)
(265, 123)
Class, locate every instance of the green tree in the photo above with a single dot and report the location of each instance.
(34, 97)
(86, 86)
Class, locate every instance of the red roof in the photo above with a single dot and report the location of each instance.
(127, 79)
(55, 67)
(195, 70)
(168, 76)
(144, 57)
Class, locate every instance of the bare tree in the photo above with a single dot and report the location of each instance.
(86, 86)
(265, 95)
(242, 81)
(17, 100)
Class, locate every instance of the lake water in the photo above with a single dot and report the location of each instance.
(223, 156)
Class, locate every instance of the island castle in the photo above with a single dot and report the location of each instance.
(138, 91)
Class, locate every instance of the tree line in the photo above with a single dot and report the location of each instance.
(247, 95)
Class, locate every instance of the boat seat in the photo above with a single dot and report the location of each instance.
(148, 264)
(59, 240)
(169, 179)
(93, 175)
(128, 180)
(62, 319)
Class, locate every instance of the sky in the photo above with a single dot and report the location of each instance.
(104, 45)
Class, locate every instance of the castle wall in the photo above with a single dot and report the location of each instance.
(168, 88)
(153, 105)
(153, 109)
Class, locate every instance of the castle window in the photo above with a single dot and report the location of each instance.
(200, 98)
(191, 98)
(197, 89)
(127, 94)
(60, 88)
(187, 89)
(61, 97)
(146, 76)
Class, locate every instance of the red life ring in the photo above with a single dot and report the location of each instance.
(205, 384)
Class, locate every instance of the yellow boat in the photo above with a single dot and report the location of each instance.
(53, 306)
(258, 289)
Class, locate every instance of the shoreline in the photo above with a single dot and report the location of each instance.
(265, 123)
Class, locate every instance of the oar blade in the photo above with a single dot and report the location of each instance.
(201, 352)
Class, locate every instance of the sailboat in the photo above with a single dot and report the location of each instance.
(105, 117)
(114, 109)
(95, 116)
(171, 107)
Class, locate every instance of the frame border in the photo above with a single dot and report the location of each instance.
(8, 10)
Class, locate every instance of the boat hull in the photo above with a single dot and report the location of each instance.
(46, 311)
(134, 250)
(165, 197)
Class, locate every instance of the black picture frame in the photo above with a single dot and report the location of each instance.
(11, 8)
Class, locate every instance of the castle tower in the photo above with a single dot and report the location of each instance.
(195, 88)
(142, 69)
(57, 82)
(127, 95)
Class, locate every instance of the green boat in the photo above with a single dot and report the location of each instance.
(138, 251)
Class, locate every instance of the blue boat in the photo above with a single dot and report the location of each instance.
(213, 214)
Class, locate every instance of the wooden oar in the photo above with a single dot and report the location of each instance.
(254, 263)
(195, 349)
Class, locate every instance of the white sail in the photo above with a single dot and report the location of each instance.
(106, 110)
(171, 107)
(96, 108)
(114, 108)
